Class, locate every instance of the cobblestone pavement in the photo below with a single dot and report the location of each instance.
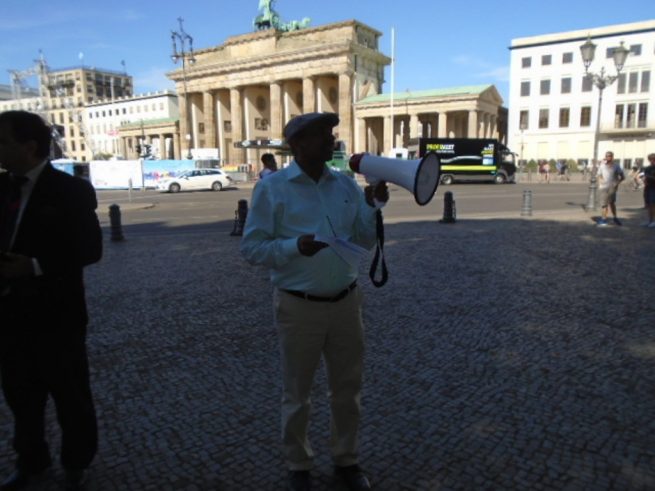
(502, 354)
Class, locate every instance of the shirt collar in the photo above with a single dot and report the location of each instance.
(296, 173)
(33, 174)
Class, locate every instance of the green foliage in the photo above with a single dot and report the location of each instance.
(573, 165)
(102, 156)
(531, 165)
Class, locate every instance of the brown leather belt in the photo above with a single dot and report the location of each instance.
(339, 296)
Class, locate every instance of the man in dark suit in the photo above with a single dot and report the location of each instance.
(48, 232)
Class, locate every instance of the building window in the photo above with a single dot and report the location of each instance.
(643, 115)
(566, 85)
(260, 103)
(567, 57)
(585, 116)
(620, 89)
(564, 117)
(227, 126)
(526, 62)
(633, 80)
(261, 124)
(618, 116)
(587, 83)
(543, 118)
(645, 81)
(544, 87)
(635, 49)
(525, 89)
(631, 116)
(201, 128)
(546, 59)
(524, 116)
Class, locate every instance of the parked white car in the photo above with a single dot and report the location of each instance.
(192, 180)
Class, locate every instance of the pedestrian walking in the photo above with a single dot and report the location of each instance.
(316, 300)
(48, 232)
(610, 176)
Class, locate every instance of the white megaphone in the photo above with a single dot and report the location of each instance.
(419, 177)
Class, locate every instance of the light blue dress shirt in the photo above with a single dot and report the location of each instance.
(288, 204)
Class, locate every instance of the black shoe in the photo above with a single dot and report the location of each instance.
(617, 221)
(299, 481)
(19, 480)
(74, 480)
(353, 477)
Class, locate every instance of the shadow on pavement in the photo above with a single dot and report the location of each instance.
(502, 354)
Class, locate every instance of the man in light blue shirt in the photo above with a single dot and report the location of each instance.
(317, 302)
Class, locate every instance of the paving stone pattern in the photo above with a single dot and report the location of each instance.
(502, 354)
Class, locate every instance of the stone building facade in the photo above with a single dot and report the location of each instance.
(462, 112)
(117, 126)
(63, 95)
(250, 86)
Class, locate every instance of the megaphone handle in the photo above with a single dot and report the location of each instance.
(379, 254)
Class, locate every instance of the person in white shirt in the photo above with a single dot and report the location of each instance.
(317, 301)
(610, 176)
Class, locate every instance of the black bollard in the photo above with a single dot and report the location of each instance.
(526, 209)
(115, 221)
(591, 200)
(449, 212)
(240, 216)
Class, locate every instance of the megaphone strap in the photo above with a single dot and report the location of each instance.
(379, 253)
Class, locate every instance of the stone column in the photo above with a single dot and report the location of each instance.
(236, 114)
(413, 126)
(162, 146)
(484, 126)
(209, 112)
(276, 110)
(308, 95)
(124, 147)
(361, 145)
(346, 110)
(442, 126)
(473, 124)
(387, 138)
(175, 141)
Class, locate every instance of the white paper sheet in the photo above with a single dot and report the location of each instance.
(349, 252)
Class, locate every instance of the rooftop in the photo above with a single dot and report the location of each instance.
(428, 94)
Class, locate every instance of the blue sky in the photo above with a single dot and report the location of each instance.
(438, 44)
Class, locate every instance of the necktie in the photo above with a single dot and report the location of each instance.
(9, 215)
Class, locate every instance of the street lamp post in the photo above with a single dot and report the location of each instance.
(601, 80)
(184, 53)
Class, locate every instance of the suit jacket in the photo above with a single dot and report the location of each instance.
(59, 228)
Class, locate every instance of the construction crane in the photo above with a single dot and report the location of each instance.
(40, 70)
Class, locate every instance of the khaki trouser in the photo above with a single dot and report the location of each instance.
(307, 330)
